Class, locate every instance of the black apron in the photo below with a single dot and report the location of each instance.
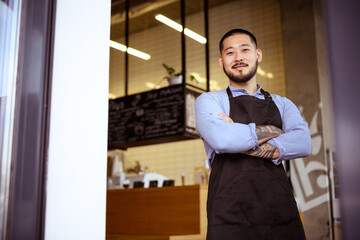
(250, 197)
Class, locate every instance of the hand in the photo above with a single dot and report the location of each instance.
(225, 117)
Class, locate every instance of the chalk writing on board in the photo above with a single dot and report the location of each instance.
(154, 114)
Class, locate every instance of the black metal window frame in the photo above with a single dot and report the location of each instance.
(183, 45)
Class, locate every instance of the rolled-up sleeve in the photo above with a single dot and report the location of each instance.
(223, 137)
(296, 141)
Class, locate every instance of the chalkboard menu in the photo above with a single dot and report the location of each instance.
(157, 116)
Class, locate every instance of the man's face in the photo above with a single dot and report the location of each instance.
(239, 58)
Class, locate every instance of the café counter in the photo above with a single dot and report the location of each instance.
(166, 213)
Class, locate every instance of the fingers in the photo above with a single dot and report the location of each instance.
(225, 117)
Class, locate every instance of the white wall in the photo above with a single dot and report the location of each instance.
(76, 180)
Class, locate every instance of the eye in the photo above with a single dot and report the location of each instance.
(229, 53)
(246, 50)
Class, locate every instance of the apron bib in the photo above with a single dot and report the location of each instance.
(250, 197)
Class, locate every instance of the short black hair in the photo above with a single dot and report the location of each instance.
(235, 32)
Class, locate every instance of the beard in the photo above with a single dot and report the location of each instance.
(242, 78)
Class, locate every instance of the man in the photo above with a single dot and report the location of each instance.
(247, 133)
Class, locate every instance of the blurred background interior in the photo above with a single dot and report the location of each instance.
(143, 39)
(291, 36)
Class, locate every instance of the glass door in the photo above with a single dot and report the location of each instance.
(9, 42)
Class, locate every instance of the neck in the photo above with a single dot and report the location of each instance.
(250, 86)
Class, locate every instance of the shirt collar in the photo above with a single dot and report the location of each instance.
(243, 91)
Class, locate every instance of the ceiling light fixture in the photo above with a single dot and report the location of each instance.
(179, 28)
(138, 53)
(169, 22)
(130, 50)
(117, 46)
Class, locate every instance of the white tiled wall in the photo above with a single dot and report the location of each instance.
(261, 17)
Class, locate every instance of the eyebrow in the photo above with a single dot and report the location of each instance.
(242, 45)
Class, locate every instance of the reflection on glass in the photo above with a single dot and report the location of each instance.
(9, 41)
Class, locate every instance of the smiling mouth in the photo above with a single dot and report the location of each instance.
(239, 65)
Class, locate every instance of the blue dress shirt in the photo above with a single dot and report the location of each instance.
(220, 136)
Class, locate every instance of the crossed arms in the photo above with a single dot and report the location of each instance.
(264, 133)
(220, 136)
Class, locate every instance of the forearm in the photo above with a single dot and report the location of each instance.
(263, 133)
(266, 132)
(228, 138)
(296, 141)
(265, 150)
(290, 145)
(219, 134)
(293, 144)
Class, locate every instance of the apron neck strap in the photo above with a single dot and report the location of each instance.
(229, 93)
(266, 94)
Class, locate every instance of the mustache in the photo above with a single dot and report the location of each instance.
(240, 64)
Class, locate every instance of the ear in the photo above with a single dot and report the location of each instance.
(259, 55)
(221, 62)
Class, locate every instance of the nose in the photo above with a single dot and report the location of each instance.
(239, 56)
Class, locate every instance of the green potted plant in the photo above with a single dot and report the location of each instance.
(175, 77)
